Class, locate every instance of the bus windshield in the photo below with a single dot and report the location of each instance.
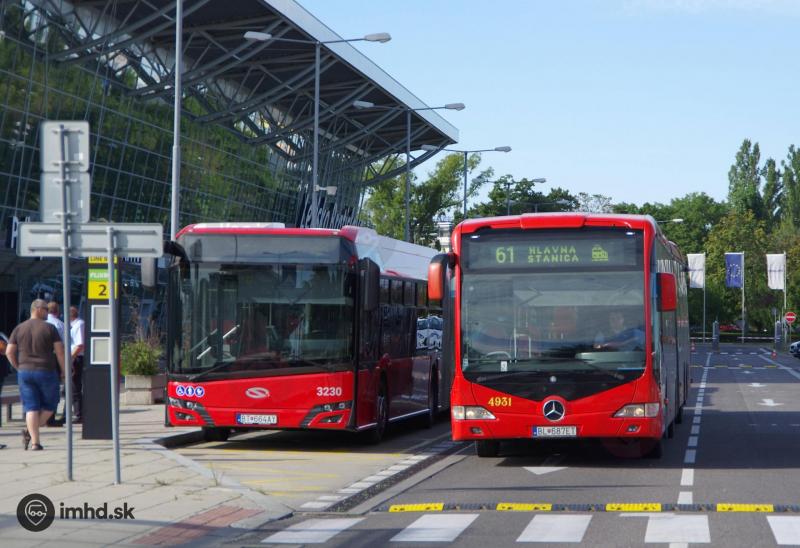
(554, 302)
(240, 320)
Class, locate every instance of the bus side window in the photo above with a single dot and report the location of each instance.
(397, 292)
(384, 291)
(410, 296)
(422, 294)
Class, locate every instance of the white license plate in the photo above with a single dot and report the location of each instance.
(244, 418)
(555, 431)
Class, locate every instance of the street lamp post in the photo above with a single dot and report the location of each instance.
(465, 153)
(381, 37)
(409, 110)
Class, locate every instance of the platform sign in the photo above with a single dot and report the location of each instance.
(97, 284)
(790, 317)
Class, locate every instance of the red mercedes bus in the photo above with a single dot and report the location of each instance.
(279, 328)
(566, 325)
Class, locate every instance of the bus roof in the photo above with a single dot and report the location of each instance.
(560, 220)
(394, 257)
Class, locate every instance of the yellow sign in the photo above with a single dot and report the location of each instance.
(102, 260)
(599, 254)
(98, 284)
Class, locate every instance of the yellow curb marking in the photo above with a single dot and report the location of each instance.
(731, 507)
(424, 507)
(523, 507)
(633, 507)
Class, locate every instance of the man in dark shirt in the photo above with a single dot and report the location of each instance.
(35, 350)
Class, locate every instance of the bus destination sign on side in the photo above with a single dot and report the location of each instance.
(553, 253)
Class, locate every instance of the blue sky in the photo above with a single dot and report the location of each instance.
(640, 100)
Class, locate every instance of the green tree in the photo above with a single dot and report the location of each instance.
(790, 199)
(744, 180)
(594, 203)
(515, 197)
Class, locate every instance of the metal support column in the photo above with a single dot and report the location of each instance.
(66, 223)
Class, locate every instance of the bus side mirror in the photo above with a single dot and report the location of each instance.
(436, 274)
(149, 272)
(667, 292)
(370, 275)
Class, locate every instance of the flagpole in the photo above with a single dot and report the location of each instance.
(744, 321)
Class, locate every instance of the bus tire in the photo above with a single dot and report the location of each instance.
(381, 415)
(214, 433)
(433, 401)
(679, 415)
(487, 448)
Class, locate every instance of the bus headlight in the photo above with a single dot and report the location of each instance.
(461, 413)
(638, 411)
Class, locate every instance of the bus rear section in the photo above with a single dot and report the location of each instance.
(279, 328)
(559, 323)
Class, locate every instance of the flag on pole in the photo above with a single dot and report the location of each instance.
(697, 269)
(734, 270)
(776, 268)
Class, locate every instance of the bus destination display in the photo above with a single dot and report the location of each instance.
(553, 252)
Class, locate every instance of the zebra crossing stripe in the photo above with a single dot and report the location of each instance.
(785, 529)
(669, 528)
(435, 528)
(633, 507)
(556, 528)
(730, 507)
(424, 507)
(523, 507)
(312, 531)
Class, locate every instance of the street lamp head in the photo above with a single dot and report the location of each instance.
(503, 149)
(363, 104)
(259, 36)
(381, 37)
(455, 106)
(429, 148)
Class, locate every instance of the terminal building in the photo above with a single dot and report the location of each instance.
(247, 121)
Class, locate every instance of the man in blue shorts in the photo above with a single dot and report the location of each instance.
(37, 353)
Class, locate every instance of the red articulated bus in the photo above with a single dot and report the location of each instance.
(566, 325)
(281, 328)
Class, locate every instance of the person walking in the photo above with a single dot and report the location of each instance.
(53, 313)
(76, 327)
(37, 353)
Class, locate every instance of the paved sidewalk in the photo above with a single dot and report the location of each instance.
(174, 500)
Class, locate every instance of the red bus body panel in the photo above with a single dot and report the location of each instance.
(592, 415)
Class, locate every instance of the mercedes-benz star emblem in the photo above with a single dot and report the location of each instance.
(553, 410)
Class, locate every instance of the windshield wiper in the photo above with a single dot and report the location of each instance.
(217, 367)
(553, 359)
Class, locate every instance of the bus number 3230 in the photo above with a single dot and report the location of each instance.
(329, 391)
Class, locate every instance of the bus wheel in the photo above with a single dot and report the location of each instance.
(487, 448)
(679, 415)
(381, 415)
(216, 433)
(433, 402)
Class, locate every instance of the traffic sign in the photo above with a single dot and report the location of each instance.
(790, 317)
(75, 136)
(51, 206)
(91, 239)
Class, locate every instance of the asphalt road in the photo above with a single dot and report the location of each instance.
(729, 477)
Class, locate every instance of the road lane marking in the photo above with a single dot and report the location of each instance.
(768, 402)
(692, 441)
(312, 531)
(785, 529)
(685, 497)
(696, 420)
(691, 455)
(695, 430)
(687, 477)
(670, 528)
(435, 528)
(551, 528)
(541, 470)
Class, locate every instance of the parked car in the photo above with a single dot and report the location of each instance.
(794, 348)
(728, 327)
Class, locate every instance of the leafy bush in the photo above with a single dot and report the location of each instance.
(139, 358)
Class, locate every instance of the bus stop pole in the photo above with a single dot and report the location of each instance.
(65, 230)
(112, 347)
